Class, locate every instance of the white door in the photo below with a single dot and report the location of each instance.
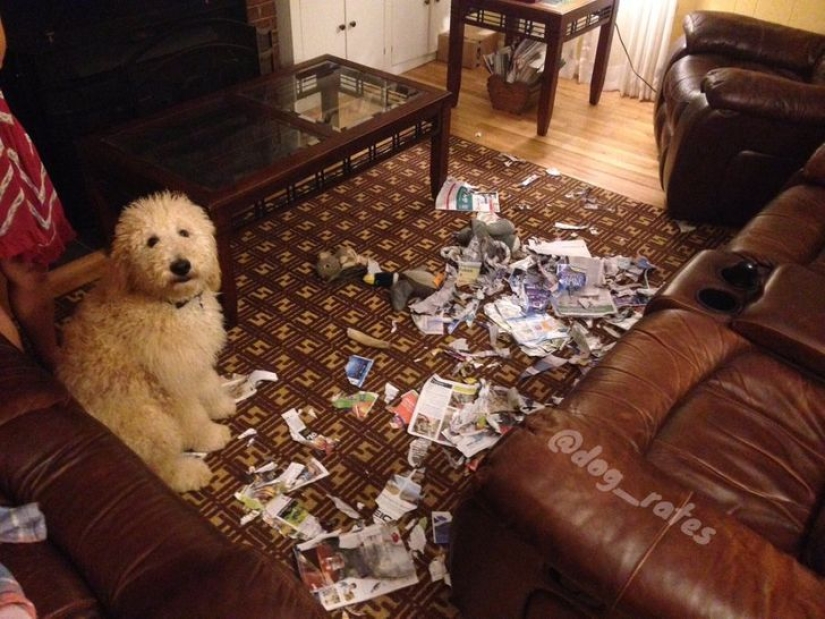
(365, 32)
(439, 22)
(323, 28)
(410, 29)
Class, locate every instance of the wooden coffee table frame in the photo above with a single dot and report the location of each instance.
(115, 177)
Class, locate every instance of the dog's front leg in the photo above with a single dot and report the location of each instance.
(216, 399)
(198, 431)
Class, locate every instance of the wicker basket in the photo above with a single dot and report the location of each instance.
(515, 98)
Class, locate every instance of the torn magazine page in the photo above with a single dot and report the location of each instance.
(472, 443)
(575, 247)
(299, 432)
(570, 304)
(399, 496)
(403, 411)
(354, 567)
(360, 403)
(438, 401)
(241, 386)
(267, 482)
(291, 518)
(547, 362)
(456, 195)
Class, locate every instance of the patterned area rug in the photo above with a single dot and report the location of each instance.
(294, 324)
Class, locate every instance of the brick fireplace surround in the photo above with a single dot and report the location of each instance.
(261, 14)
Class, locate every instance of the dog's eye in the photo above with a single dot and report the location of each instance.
(183, 233)
(152, 241)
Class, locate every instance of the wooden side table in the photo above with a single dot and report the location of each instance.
(553, 24)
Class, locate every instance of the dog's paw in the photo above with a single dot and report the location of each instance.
(211, 437)
(222, 407)
(188, 473)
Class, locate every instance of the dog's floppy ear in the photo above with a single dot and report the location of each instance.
(212, 273)
(117, 279)
(213, 277)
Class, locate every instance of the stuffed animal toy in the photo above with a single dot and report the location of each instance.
(404, 285)
(501, 230)
(494, 242)
(344, 262)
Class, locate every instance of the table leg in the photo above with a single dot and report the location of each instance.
(602, 56)
(456, 50)
(549, 81)
(440, 150)
(229, 293)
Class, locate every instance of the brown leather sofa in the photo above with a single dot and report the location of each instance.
(684, 475)
(120, 543)
(741, 106)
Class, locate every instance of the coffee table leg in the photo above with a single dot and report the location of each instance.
(440, 150)
(229, 293)
(456, 49)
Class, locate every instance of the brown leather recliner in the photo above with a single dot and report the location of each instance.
(741, 106)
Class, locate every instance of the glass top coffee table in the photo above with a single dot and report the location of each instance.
(267, 144)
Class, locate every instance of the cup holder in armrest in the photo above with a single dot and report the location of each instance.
(743, 275)
(719, 300)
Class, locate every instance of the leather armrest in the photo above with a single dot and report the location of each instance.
(789, 317)
(765, 95)
(627, 535)
(748, 38)
(24, 384)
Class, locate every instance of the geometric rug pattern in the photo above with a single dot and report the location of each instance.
(294, 324)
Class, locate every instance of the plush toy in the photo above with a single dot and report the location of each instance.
(494, 242)
(501, 230)
(404, 285)
(344, 262)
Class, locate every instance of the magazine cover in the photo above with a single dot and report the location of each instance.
(347, 568)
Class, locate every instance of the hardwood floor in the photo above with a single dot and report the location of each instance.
(609, 145)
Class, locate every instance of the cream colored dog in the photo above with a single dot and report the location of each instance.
(139, 353)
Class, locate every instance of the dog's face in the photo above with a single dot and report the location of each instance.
(164, 246)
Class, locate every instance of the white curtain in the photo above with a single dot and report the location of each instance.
(645, 27)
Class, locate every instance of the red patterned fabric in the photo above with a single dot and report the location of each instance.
(32, 224)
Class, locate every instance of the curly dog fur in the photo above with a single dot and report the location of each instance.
(140, 352)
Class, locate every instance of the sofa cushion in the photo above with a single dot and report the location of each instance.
(751, 437)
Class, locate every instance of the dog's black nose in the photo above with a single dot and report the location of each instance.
(180, 267)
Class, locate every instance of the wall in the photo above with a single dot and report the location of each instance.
(804, 14)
